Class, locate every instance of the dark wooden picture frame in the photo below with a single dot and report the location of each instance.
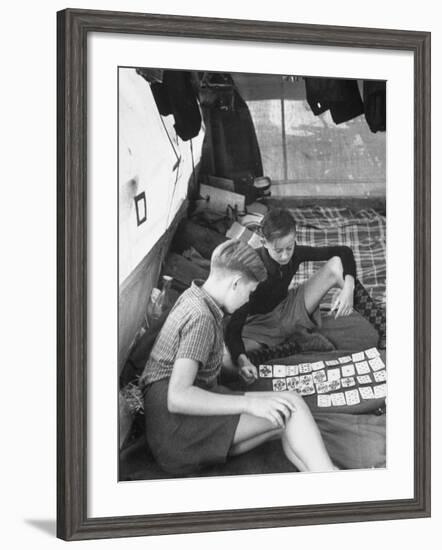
(73, 28)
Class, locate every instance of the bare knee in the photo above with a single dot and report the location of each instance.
(335, 270)
(298, 401)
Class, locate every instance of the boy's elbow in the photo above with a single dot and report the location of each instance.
(173, 401)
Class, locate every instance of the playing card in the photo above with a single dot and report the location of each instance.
(324, 401)
(317, 366)
(306, 380)
(279, 384)
(358, 356)
(332, 363)
(352, 397)
(348, 382)
(348, 370)
(292, 370)
(362, 368)
(334, 385)
(345, 359)
(376, 363)
(380, 391)
(337, 399)
(364, 379)
(306, 389)
(371, 353)
(322, 387)
(265, 371)
(305, 368)
(334, 374)
(366, 392)
(279, 371)
(319, 376)
(380, 375)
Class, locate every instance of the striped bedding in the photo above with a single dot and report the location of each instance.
(362, 230)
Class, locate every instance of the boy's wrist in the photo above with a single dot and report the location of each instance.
(349, 281)
(242, 360)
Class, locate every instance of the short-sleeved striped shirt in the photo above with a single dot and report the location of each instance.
(193, 330)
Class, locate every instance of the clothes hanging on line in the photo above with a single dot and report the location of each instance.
(176, 96)
(375, 104)
(340, 96)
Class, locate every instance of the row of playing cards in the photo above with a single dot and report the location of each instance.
(361, 363)
(352, 397)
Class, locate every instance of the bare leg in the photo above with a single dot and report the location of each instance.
(302, 441)
(251, 432)
(321, 282)
(249, 444)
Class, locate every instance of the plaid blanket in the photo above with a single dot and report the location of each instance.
(363, 231)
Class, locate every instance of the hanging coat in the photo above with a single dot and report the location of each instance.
(235, 145)
(339, 95)
(175, 95)
(375, 104)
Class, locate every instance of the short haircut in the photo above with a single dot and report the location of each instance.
(237, 256)
(277, 223)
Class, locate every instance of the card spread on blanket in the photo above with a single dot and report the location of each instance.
(334, 374)
(319, 376)
(324, 401)
(334, 385)
(292, 370)
(366, 392)
(362, 375)
(352, 397)
(279, 371)
(380, 391)
(279, 384)
(376, 363)
(338, 399)
(322, 388)
(362, 368)
(265, 371)
(348, 370)
(305, 368)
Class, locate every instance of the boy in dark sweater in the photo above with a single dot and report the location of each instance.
(277, 309)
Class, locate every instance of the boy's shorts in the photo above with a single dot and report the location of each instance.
(275, 327)
(182, 443)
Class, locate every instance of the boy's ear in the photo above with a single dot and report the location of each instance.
(235, 281)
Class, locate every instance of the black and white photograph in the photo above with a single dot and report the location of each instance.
(252, 268)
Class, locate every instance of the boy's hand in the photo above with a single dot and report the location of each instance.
(247, 370)
(343, 305)
(277, 409)
(248, 373)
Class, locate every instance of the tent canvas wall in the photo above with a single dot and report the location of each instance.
(152, 160)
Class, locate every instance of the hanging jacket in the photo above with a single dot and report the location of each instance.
(375, 104)
(175, 95)
(236, 150)
(339, 95)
